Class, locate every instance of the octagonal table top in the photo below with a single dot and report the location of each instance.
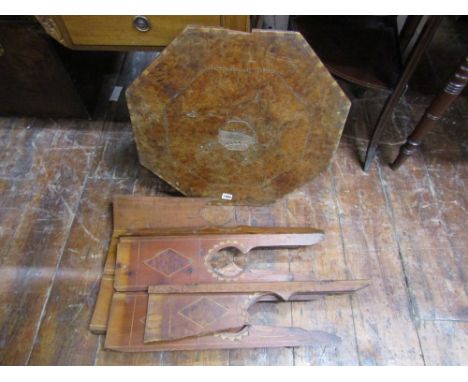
(238, 116)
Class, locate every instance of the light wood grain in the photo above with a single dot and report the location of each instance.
(238, 23)
(143, 215)
(44, 179)
(139, 215)
(118, 33)
(371, 251)
(284, 290)
(315, 205)
(444, 343)
(203, 309)
(268, 313)
(98, 324)
(144, 261)
(71, 299)
(233, 90)
(119, 30)
(31, 238)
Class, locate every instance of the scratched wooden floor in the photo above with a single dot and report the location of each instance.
(405, 230)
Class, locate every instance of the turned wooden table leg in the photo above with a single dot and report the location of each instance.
(434, 112)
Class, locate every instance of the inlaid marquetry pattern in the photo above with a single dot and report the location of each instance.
(168, 262)
(203, 312)
(253, 115)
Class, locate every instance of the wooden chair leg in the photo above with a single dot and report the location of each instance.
(423, 41)
(434, 112)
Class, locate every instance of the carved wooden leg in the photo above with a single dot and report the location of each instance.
(434, 112)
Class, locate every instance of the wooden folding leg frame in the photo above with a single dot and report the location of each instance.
(178, 277)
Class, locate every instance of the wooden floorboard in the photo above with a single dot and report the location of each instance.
(314, 205)
(77, 280)
(434, 274)
(371, 252)
(54, 173)
(402, 230)
(444, 343)
(405, 231)
(266, 313)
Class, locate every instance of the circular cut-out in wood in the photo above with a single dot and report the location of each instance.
(248, 115)
(227, 260)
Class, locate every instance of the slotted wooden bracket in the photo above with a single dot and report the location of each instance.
(208, 309)
(123, 316)
(202, 258)
(127, 327)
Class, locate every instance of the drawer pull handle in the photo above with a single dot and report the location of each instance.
(141, 23)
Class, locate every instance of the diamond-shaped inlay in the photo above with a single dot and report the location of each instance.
(168, 262)
(203, 311)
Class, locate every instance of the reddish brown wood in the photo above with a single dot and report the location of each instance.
(243, 116)
(127, 326)
(134, 214)
(434, 112)
(282, 290)
(175, 316)
(100, 316)
(144, 214)
(36, 227)
(144, 261)
(159, 215)
(109, 266)
(375, 324)
(205, 310)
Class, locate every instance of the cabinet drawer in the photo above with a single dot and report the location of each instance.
(120, 30)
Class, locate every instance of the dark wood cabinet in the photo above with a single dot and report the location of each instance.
(40, 78)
